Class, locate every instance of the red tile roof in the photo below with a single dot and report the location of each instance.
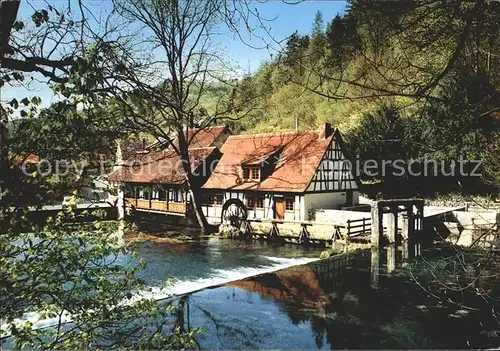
(198, 137)
(205, 137)
(163, 166)
(300, 157)
(129, 147)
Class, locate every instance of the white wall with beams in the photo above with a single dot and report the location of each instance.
(334, 172)
(214, 212)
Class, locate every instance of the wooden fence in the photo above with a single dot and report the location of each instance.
(154, 205)
(306, 230)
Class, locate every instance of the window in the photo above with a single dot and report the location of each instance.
(162, 196)
(255, 174)
(129, 192)
(217, 199)
(250, 202)
(251, 173)
(260, 202)
(254, 202)
(246, 173)
(289, 202)
(175, 195)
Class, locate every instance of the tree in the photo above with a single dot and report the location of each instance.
(397, 38)
(62, 268)
(162, 95)
(317, 45)
(65, 268)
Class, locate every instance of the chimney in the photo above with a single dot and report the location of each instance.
(326, 132)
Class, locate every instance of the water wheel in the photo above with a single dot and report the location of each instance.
(234, 213)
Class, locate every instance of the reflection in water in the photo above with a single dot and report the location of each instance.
(326, 304)
(307, 285)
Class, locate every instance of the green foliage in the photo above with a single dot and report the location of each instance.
(384, 134)
(73, 268)
(394, 79)
(78, 274)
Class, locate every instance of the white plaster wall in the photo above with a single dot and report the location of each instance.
(303, 208)
(339, 216)
(270, 207)
(213, 211)
(355, 197)
(213, 214)
(289, 216)
(324, 201)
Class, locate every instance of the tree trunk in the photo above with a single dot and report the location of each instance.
(205, 227)
(4, 165)
(192, 188)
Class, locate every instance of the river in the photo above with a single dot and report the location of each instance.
(207, 262)
(251, 294)
(282, 296)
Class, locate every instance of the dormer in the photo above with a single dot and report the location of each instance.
(252, 173)
(259, 169)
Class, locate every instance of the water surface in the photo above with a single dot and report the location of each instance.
(330, 304)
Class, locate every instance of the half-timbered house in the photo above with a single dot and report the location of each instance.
(152, 178)
(284, 176)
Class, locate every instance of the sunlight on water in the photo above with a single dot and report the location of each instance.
(184, 286)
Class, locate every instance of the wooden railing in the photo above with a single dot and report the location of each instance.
(353, 227)
(360, 226)
(155, 205)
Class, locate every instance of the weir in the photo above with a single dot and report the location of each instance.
(196, 266)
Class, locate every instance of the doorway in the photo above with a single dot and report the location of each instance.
(280, 208)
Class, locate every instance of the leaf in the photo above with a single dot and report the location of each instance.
(14, 103)
(18, 76)
(18, 25)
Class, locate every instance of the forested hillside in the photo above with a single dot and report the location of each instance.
(411, 80)
(401, 79)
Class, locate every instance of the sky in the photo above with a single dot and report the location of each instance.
(287, 18)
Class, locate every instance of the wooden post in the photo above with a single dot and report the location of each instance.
(150, 195)
(392, 229)
(346, 239)
(304, 234)
(391, 257)
(377, 225)
(273, 232)
(405, 233)
(392, 225)
(375, 266)
(417, 233)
